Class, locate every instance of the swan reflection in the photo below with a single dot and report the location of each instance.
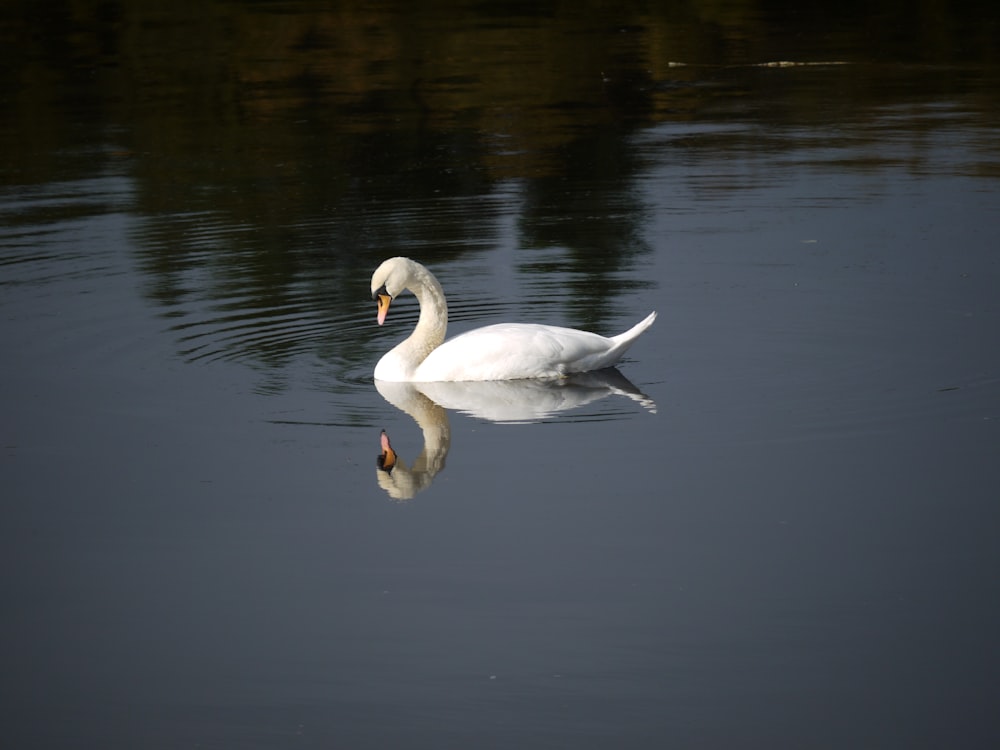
(400, 481)
(506, 401)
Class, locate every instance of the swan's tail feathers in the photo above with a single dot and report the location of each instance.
(633, 333)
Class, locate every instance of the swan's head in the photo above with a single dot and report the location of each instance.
(389, 281)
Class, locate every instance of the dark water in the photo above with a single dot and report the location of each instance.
(775, 527)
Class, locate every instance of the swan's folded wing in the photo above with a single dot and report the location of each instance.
(510, 351)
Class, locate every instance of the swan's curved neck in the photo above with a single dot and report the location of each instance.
(400, 363)
(429, 333)
(433, 322)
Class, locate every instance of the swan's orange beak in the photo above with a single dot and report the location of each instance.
(387, 459)
(382, 300)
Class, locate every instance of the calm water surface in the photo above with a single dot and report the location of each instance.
(774, 526)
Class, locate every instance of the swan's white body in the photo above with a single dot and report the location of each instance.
(506, 351)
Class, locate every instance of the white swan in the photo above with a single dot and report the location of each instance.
(506, 351)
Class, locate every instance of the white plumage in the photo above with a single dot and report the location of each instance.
(505, 351)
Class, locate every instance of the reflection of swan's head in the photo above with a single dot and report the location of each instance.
(402, 482)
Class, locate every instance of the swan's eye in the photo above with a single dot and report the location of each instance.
(381, 292)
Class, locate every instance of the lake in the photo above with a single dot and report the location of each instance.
(773, 525)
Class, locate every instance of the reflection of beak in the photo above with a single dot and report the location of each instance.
(386, 459)
(383, 300)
